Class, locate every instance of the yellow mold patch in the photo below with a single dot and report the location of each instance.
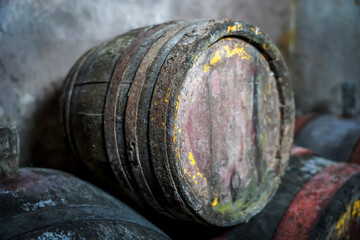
(356, 209)
(193, 163)
(192, 160)
(236, 50)
(268, 88)
(196, 57)
(167, 95)
(175, 127)
(216, 58)
(174, 138)
(234, 28)
(215, 202)
(265, 46)
(240, 51)
(206, 68)
(345, 220)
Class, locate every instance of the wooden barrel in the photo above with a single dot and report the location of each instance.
(332, 137)
(194, 119)
(40, 203)
(317, 199)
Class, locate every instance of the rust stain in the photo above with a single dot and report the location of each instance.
(287, 41)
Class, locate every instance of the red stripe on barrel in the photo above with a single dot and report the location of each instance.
(355, 157)
(301, 121)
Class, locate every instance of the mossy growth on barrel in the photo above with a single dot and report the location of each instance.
(194, 119)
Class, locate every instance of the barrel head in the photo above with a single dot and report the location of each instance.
(226, 131)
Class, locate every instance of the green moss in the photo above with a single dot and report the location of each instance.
(252, 201)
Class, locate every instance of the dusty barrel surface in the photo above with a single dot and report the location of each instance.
(332, 137)
(40, 203)
(317, 199)
(192, 118)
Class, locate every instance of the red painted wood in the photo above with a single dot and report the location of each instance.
(305, 209)
(298, 151)
(302, 120)
(355, 157)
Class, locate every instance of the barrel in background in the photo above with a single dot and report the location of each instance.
(38, 203)
(332, 137)
(194, 119)
(317, 199)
